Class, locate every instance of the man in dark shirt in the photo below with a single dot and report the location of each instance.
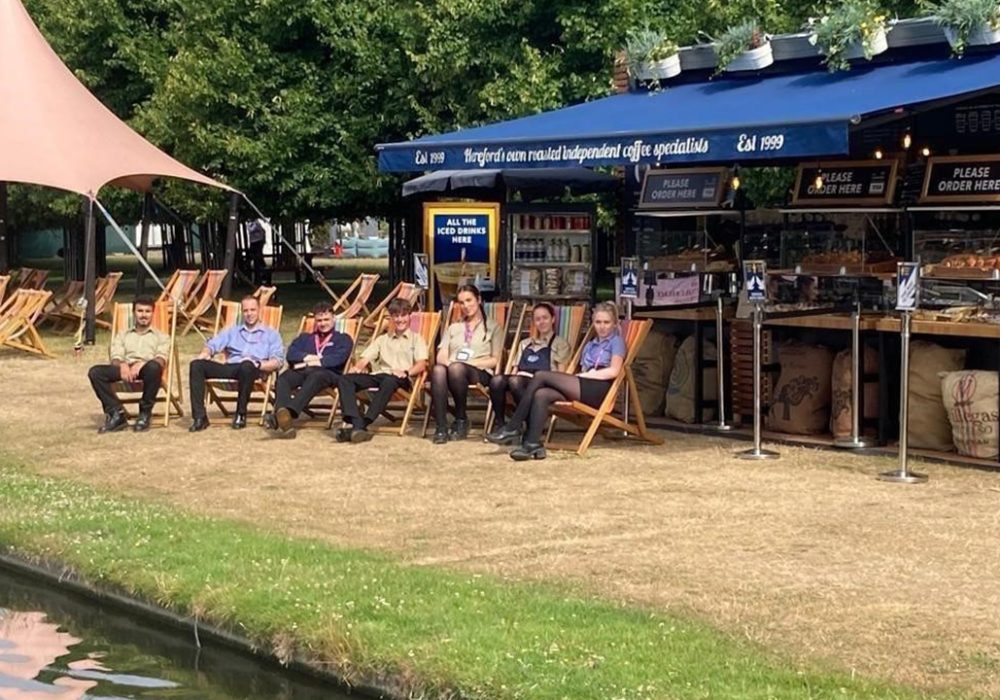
(315, 361)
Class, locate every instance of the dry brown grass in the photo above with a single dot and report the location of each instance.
(809, 555)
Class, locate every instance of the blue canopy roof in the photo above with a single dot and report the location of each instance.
(724, 120)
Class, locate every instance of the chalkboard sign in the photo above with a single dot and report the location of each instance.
(686, 188)
(858, 183)
(970, 179)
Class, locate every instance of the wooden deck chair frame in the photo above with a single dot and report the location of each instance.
(603, 418)
(104, 293)
(350, 326)
(568, 324)
(373, 320)
(31, 278)
(494, 310)
(408, 400)
(221, 391)
(4, 283)
(263, 294)
(178, 288)
(362, 289)
(18, 316)
(203, 310)
(170, 394)
(62, 301)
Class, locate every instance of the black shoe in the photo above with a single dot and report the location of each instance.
(503, 435)
(113, 423)
(528, 450)
(198, 424)
(440, 436)
(459, 429)
(270, 422)
(142, 422)
(239, 421)
(284, 418)
(361, 435)
(343, 433)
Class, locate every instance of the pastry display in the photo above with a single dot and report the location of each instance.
(974, 261)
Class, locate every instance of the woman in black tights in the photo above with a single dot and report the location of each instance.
(469, 354)
(543, 350)
(600, 363)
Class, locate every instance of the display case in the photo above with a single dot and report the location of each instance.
(551, 252)
(957, 244)
(832, 243)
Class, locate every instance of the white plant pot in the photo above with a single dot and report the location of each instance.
(660, 70)
(879, 44)
(982, 36)
(754, 59)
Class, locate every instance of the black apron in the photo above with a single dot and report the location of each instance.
(535, 360)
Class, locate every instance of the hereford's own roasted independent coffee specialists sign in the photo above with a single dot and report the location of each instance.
(970, 179)
(685, 188)
(861, 182)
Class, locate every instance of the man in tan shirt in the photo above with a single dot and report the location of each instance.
(395, 357)
(137, 355)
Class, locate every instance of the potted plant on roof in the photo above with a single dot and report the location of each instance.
(743, 47)
(651, 56)
(854, 29)
(968, 22)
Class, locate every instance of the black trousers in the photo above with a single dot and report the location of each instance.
(305, 384)
(349, 384)
(102, 377)
(244, 373)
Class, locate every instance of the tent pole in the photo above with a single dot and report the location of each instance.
(147, 213)
(89, 272)
(4, 248)
(230, 260)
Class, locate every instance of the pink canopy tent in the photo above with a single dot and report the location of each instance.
(55, 133)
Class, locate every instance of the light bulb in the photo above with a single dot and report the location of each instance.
(878, 154)
(925, 151)
(819, 182)
(736, 182)
(907, 140)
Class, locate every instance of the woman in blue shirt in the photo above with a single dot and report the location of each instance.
(600, 363)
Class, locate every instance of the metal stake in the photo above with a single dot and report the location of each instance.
(856, 441)
(720, 370)
(902, 475)
(757, 452)
(628, 315)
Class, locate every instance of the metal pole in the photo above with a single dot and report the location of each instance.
(720, 369)
(628, 315)
(757, 452)
(903, 475)
(230, 256)
(856, 440)
(147, 215)
(90, 274)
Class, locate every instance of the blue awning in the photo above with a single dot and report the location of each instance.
(724, 120)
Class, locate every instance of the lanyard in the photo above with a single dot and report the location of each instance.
(320, 347)
(469, 329)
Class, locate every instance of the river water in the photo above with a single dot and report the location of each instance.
(56, 646)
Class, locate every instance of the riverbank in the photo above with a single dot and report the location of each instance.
(413, 631)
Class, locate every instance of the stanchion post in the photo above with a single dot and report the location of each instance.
(855, 441)
(628, 316)
(720, 368)
(757, 452)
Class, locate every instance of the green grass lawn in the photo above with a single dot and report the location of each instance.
(419, 631)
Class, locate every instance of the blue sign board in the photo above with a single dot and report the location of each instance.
(907, 284)
(630, 279)
(754, 280)
(461, 240)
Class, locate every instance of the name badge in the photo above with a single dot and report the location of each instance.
(532, 358)
(464, 355)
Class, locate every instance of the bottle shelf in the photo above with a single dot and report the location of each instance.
(553, 231)
(542, 263)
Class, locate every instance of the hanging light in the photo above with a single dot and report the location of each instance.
(735, 182)
(907, 140)
(878, 154)
(925, 151)
(818, 183)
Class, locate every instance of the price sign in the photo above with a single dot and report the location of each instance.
(907, 284)
(630, 278)
(753, 278)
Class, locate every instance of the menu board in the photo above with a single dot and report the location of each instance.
(957, 179)
(857, 183)
(685, 188)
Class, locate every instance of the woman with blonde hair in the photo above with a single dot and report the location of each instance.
(469, 354)
(601, 362)
(543, 350)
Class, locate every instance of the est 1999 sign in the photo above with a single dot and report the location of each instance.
(753, 143)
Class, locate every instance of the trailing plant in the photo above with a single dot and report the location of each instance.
(734, 41)
(965, 17)
(644, 47)
(853, 23)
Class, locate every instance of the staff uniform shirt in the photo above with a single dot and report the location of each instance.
(560, 350)
(597, 353)
(333, 353)
(133, 346)
(483, 342)
(390, 353)
(240, 343)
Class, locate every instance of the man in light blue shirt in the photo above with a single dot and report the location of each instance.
(251, 351)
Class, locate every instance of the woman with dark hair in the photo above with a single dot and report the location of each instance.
(600, 363)
(542, 350)
(469, 353)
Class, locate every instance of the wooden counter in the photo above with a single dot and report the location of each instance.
(947, 328)
(701, 313)
(833, 322)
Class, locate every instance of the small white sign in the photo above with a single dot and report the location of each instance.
(420, 276)
(907, 285)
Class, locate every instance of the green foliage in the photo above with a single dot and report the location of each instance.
(734, 41)
(851, 24)
(644, 47)
(965, 17)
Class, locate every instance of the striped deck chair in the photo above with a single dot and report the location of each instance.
(568, 324)
(31, 278)
(498, 314)
(63, 300)
(104, 292)
(374, 318)
(4, 283)
(603, 418)
(170, 394)
(178, 289)
(318, 408)
(263, 294)
(426, 324)
(362, 289)
(18, 316)
(203, 309)
(223, 391)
